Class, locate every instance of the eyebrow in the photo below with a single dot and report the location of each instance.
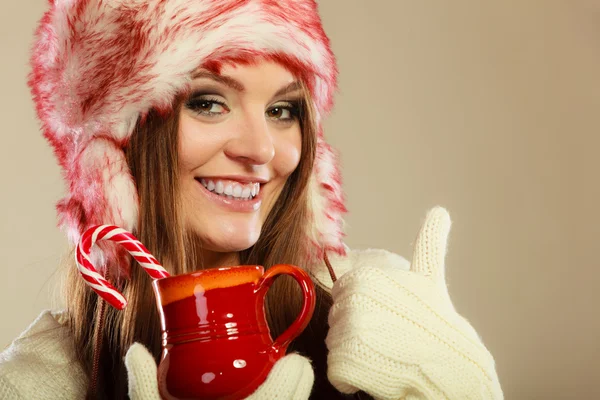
(237, 85)
(287, 89)
(226, 80)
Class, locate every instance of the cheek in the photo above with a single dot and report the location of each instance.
(287, 155)
(198, 142)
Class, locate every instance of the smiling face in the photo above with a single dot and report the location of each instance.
(239, 141)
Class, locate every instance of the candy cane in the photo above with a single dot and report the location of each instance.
(137, 250)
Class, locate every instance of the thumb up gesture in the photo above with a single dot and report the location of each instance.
(396, 335)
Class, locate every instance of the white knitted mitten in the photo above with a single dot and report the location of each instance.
(396, 335)
(292, 377)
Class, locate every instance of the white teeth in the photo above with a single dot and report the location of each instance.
(237, 191)
(232, 190)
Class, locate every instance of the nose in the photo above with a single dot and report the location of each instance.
(253, 144)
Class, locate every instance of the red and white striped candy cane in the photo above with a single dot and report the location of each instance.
(137, 250)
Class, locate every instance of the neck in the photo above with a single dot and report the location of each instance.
(213, 259)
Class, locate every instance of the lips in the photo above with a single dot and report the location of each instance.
(231, 189)
(240, 203)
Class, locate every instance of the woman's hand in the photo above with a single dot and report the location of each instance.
(396, 335)
(141, 373)
(292, 377)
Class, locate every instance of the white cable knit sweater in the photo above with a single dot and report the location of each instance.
(39, 364)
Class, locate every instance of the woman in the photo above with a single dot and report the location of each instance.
(197, 125)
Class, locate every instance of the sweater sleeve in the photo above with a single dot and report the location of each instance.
(40, 363)
(8, 391)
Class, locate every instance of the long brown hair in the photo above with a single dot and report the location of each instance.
(153, 159)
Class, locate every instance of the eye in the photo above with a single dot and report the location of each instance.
(284, 112)
(279, 113)
(207, 106)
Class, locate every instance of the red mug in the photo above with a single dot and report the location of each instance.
(216, 343)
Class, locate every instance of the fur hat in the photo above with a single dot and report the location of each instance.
(98, 66)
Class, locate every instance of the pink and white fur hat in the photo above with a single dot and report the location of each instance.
(98, 66)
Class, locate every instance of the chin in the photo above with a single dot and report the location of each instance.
(230, 238)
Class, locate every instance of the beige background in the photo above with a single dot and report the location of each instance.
(492, 110)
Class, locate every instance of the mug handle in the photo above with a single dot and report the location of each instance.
(308, 307)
